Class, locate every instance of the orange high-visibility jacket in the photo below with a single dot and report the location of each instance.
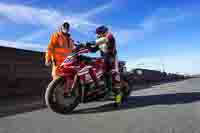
(59, 47)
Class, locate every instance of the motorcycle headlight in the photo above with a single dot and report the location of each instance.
(139, 72)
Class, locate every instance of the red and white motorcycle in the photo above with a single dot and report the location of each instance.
(76, 85)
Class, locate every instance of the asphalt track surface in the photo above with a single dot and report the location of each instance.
(167, 108)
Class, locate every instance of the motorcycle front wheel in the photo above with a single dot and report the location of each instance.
(57, 101)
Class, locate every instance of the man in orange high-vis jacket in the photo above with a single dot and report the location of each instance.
(60, 46)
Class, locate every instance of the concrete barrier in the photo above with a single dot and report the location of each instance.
(22, 72)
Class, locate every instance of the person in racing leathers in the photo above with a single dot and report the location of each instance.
(106, 43)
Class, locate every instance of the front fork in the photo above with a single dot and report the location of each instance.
(69, 85)
(81, 90)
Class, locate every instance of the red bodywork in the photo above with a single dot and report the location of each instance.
(72, 68)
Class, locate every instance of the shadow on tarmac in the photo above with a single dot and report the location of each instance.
(17, 106)
(144, 101)
(10, 108)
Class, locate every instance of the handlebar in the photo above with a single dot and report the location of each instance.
(79, 45)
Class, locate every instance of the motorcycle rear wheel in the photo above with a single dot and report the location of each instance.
(55, 99)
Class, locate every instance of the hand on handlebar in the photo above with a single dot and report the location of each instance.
(79, 45)
(90, 44)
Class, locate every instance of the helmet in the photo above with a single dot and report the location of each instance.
(65, 27)
(101, 29)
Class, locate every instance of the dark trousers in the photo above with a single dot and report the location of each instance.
(109, 62)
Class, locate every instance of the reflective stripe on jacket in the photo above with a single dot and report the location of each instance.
(59, 48)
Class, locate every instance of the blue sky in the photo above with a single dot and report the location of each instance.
(150, 33)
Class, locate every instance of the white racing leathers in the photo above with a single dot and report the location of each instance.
(103, 43)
